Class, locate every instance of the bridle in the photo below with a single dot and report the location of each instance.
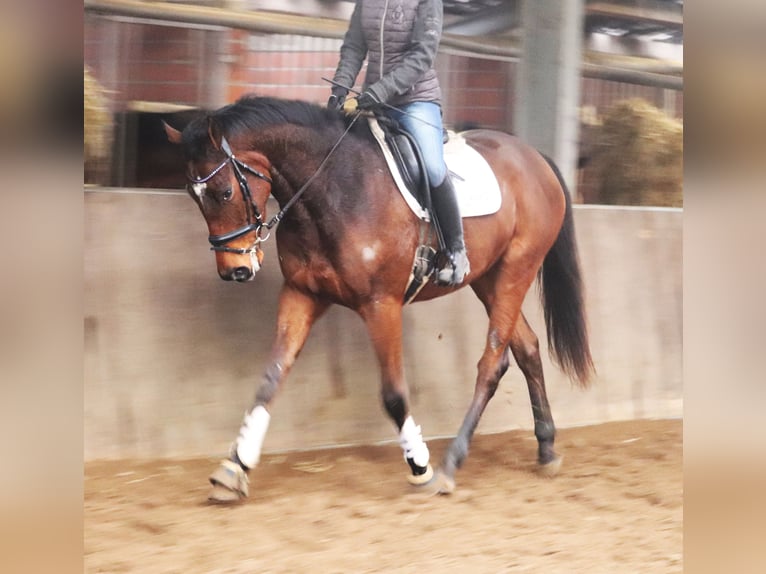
(254, 218)
(253, 215)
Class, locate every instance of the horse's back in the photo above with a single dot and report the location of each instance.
(533, 199)
(512, 158)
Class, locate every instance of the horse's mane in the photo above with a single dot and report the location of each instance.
(255, 113)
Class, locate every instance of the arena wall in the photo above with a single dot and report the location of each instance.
(173, 354)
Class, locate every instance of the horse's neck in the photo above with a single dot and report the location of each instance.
(350, 199)
(286, 152)
(293, 159)
(304, 182)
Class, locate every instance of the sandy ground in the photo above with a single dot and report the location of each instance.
(617, 506)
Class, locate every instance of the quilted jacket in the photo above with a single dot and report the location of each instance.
(400, 39)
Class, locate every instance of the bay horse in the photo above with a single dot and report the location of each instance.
(347, 237)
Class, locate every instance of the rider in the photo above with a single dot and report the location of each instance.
(400, 39)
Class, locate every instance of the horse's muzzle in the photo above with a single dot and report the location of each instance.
(239, 274)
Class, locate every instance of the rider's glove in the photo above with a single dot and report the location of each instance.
(338, 97)
(367, 100)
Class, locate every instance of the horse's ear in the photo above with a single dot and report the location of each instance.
(174, 136)
(214, 133)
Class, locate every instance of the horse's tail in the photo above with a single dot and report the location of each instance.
(561, 292)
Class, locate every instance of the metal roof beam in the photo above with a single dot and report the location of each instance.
(635, 13)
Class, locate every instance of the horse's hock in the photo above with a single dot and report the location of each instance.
(173, 354)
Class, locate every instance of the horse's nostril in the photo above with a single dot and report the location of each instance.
(241, 274)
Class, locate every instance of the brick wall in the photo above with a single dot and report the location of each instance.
(477, 91)
(281, 65)
(207, 66)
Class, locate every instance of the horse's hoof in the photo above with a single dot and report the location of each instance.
(445, 484)
(439, 483)
(550, 469)
(230, 484)
(222, 495)
(421, 479)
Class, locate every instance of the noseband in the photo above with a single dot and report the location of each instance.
(254, 218)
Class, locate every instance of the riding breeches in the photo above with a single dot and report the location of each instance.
(423, 121)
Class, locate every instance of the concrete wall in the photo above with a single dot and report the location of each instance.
(173, 354)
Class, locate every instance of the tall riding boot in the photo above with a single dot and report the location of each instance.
(445, 205)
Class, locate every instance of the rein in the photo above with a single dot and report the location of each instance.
(254, 217)
(278, 217)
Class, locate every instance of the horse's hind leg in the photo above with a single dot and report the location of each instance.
(526, 350)
(503, 308)
(502, 292)
(492, 366)
(297, 313)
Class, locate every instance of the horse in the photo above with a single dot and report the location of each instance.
(345, 236)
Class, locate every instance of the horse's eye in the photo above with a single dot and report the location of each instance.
(227, 194)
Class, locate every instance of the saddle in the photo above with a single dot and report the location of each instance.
(406, 153)
(409, 161)
(476, 188)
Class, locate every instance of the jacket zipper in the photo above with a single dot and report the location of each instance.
(382, 48)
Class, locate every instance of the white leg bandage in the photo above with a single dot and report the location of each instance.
(251, 434)
(412, 443)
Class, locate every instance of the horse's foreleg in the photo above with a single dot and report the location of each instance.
(297, 313)
(526, 350)
(384, 324)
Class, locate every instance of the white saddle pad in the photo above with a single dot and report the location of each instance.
(476, 187)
